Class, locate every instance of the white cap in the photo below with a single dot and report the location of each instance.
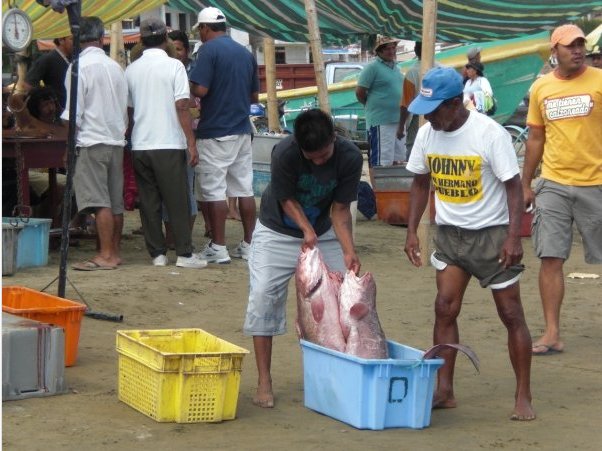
(210, 15)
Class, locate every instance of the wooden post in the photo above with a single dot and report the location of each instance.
(269, 59)
(429, 34)
(21, 71)
(315, 44)
(117, 50)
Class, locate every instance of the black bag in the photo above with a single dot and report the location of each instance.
(366, 200)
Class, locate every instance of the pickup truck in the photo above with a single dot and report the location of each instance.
(293, 76)
(336, 72)
(348, 121)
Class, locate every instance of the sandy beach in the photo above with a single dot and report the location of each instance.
(567, 388)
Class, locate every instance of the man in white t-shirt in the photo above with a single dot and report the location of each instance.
(101, 120)
(471, 162)
(162, 131)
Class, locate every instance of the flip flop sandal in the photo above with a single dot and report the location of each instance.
(90, 265)
(547, 350)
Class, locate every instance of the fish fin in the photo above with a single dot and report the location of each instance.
(434, 350)
(316, 286)
(317, 310)
(358, 311)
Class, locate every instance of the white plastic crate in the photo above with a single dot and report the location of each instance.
(32, 358)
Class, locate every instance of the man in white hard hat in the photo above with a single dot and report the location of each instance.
(225, 78)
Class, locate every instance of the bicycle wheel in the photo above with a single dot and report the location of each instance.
(519, 142)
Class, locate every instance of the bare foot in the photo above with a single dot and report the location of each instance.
(264, 397)
(234, 215)
(444, 402)
(523, 412)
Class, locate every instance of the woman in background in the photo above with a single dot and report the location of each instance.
(477, 88)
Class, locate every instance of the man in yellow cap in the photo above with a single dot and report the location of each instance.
(379, 90)
(565, 113)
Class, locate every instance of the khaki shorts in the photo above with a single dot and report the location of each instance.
(98, 178)
(477, 252)
(272, 263)
(39, 181)
(225, 168)
(556, 207)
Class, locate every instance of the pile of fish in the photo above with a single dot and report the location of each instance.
(337, 312)
(340, 312)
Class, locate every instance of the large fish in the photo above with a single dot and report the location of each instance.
(359, 321)
(317, 301)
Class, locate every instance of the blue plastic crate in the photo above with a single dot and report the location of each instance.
(32, 243)
(370, 393)
(261, 177)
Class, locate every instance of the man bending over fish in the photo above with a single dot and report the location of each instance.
(314, 178)
(472, 164)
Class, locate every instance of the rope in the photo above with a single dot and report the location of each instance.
(20, 210)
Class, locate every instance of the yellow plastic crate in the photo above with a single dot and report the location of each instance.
(179, 375)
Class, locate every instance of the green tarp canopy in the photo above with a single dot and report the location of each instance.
(344, 21)
(48, 24)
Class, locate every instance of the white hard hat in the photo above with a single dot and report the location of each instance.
(210, 15)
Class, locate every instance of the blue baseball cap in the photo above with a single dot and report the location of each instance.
(439, 84)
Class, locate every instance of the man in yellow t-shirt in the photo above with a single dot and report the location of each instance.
(565, 117)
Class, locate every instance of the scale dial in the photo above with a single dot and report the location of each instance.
(17, 30)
